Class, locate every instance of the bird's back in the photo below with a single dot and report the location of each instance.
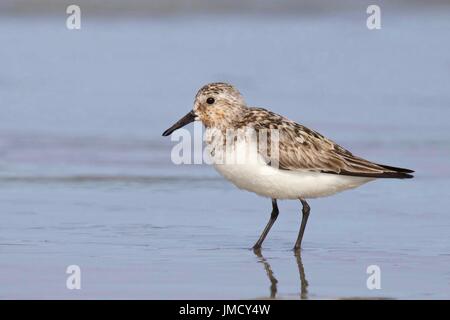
(303, 149)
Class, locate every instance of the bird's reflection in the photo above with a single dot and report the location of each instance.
(274, 281)
(269, 272)
(301, 271)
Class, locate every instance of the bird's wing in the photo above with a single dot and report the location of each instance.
(301, 148)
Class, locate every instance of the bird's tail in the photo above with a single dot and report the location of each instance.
(395, 172)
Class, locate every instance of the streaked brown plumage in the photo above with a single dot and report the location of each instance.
(301, 148)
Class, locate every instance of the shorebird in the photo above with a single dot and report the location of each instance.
(308, 165)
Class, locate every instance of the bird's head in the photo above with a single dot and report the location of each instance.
(216, 105)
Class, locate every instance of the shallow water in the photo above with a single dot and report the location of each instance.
(86, 179)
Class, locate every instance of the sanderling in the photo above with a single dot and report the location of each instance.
(309, 165)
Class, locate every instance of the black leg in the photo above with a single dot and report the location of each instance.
(305, 212)
(273, 217)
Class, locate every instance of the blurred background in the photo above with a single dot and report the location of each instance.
(86, 177)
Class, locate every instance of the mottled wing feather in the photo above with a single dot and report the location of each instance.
(303, 149)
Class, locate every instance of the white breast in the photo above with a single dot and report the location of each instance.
(248, 171)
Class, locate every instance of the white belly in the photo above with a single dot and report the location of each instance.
(282, 184)
(254, 175)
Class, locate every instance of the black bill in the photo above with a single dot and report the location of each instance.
(190, 117)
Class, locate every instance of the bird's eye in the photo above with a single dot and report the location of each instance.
(210, 100)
